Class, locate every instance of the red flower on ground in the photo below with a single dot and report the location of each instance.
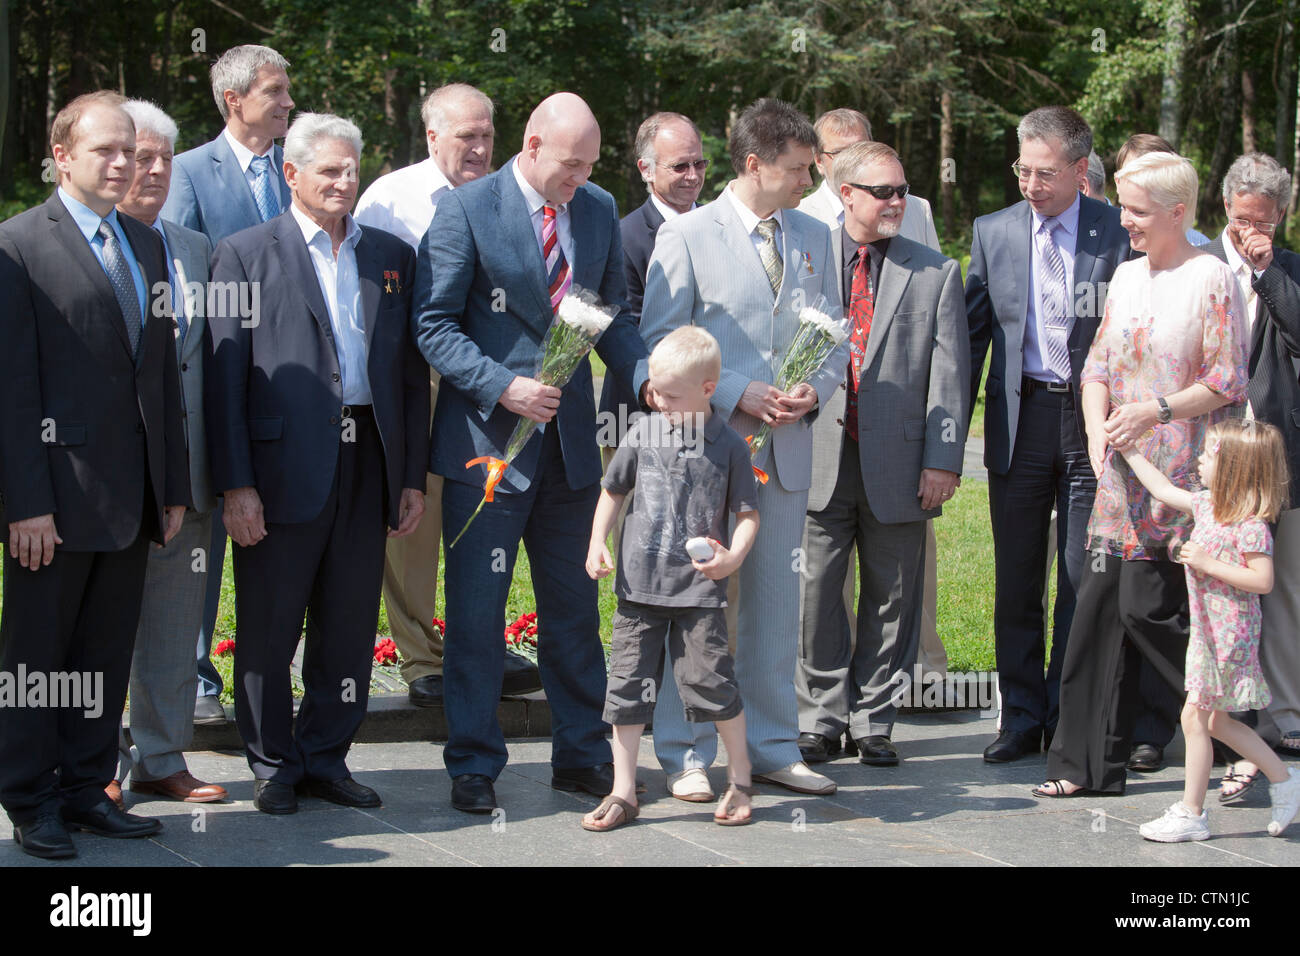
(522, 631)
(224, 647)
(386, 652)
(440, 625)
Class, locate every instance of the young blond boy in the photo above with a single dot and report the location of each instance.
(690, 471)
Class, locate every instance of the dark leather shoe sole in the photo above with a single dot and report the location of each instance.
(1006, 751)
(368, 800)
(283, 806)
(483, 801)
(571, 785)
(1149, 762)
(878, 761)
(134, 833)
(59, 851)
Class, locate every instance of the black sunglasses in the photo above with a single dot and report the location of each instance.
(883, 192)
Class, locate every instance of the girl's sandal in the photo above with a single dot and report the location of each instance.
(724, 816)
(628, 813)
(1242, 782)
(1056, 788)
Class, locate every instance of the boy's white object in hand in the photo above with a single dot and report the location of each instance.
(699, 549)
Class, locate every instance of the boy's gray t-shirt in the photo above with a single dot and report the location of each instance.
(685, 488)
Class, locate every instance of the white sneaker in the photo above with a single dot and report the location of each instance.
(1286, 802)
(691, 785)
(1178, 825)
(800, 778)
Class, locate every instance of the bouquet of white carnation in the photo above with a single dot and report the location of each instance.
(581, 321)
(816, 338)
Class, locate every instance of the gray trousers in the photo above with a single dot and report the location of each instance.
(1279, 649)
(839, 683)
(163, 678)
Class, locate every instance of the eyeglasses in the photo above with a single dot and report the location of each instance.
(699, 165)
(883, 192)
(1025, 173)
(1267, 228)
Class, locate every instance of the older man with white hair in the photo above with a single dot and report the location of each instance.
(162, 668)
(458, 127)
(318, 426)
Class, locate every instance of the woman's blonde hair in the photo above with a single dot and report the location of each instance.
(1168, 178)
(1250, 471)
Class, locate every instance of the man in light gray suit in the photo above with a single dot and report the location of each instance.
(162, 668)
(743, 267)
(887, 453)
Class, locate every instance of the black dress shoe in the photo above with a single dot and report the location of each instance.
(818, 748)
(521, 676)
(426, 691)
(877, 750)
(597, 781)
(850, 745)
(1146, 758)
(46, 836)
(1011, 745)
(107, 820)
(345, 792)
(473, 793)
(272, 797)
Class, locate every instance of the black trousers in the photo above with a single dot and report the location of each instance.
(1049, 468)
(330, 569)
(72, 622)
(1127, 612)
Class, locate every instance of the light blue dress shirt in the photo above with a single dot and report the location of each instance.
(1066, 236)
(88, 221)
(340, 284)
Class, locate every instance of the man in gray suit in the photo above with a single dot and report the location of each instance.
(743, 267)
(887, 453)
(162, 668)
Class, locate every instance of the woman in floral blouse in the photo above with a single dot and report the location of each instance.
(1168, 361)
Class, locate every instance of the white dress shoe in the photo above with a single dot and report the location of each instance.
(691, 785)
(800, 778)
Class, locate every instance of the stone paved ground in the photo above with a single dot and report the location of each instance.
(942, 807)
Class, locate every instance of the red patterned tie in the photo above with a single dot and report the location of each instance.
(862, 305)
(558, 278)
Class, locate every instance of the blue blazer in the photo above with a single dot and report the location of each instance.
(997, 303)
(481, 310)
(273, 393)
(209, 193)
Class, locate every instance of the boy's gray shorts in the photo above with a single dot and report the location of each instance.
(696, 641)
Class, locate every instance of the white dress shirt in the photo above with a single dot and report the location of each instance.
(1243, 273)
(665, 210)
(245, 157)
(1066, 236)
(340, 284)
(749, 219)
(404, 201)
(535, 201)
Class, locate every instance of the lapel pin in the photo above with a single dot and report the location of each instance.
(1092, 233)
(807, 261)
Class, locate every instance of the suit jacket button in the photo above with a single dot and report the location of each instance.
(335, 376)
(839, 421)
(334, 420)
(185, 366)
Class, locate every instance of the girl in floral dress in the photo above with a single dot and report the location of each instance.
(1229, 564)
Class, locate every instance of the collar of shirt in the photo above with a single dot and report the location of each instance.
(748, 218)
(1068, 221)
(243, 154)
(849, 250)
(311, 232)
(436, 181)
(665, 210)
(832, 199)
(1235, 262)
(87, 219)
(532, 198)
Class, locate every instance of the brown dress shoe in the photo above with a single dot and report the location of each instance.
(114, 792)
(182, 785)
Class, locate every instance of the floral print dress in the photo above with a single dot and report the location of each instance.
(1163, 330)
(1223, 671)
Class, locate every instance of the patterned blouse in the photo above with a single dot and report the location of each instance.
(1163, 331)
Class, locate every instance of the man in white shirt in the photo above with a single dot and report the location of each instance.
(458, 125)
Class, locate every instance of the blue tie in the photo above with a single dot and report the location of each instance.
(268, 206)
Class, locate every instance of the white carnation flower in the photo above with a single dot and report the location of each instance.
(583, 316)
(835, 331)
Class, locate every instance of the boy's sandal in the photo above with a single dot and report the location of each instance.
(1056, 788)
(1289, 744)
(629, 813)
(1242, 781)
(728, 819)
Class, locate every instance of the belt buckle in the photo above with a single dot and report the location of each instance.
(1058, 387)
(347, 411)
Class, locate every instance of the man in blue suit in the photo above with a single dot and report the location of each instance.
(486, 292)
(232, 183)
(1035, 291)
(317, 408)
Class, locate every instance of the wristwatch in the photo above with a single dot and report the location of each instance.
(1166, 414)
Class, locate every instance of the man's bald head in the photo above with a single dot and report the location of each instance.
(561, 145)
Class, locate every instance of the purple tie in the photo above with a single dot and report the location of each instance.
(1052, 300)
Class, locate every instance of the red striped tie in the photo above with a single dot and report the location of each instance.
(558, 278)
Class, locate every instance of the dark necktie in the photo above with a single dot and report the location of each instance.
(119, 274)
